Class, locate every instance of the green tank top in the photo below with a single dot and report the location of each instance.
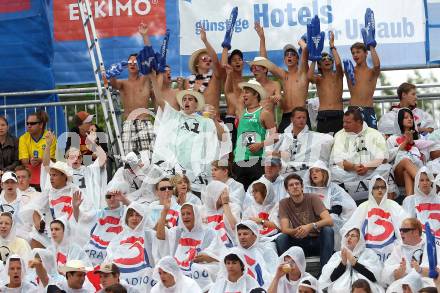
(250, 130)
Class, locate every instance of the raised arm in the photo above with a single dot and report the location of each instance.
(143, 31)
(160, 226)
(156, 81)
(211, 52)
(311, 73)
(50, 137)
(334, 52)
(376, 61)
(304, 63)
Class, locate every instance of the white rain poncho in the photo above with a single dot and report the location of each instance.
(215, 217)
(189, 142)
(53, 203)
(379, 223)
(409, 253)
(422, 119)
(297, 255)
(11, 244)
(413, 280)
(423, 206)
(26, 286)
(261, 258)
(364, 256)
(15, 207)
(155, 209)
(183, 283)
(331, 195)
(131, 251)
(368, 147)
(314, 285)
(68, 249)
(277, 186)
(299, 152)
(236, 192)
(185, 245)
(244, 284)
(267, 211)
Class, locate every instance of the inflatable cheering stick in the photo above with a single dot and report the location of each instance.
(230, 28)
(146, 60)
(349, 70)
(116, 69)
(369, 32)
(161, 57)
(315, 39)
(431, 249)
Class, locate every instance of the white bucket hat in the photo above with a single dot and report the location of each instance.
(63, 168)
(255, 85)
(199, 97)
(261, 61)
(75, 265)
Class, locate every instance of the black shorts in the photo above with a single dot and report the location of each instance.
(330, 121)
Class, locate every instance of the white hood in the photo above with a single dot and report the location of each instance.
(198, 223)
(11, 236)
(4, 275)
(417, 190)
(269, 200)
(372, 201)
(212, 193)
(253, 227)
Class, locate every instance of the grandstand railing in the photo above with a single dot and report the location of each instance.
(92, 105)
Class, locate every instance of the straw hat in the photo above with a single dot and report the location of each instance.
(63, 168)
(199, 97)
(193, 59)
(75, 266)
(255, 85)
(261, 61)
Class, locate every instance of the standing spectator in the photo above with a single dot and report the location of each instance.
(9, 148)
(304, 222)
(32, 145)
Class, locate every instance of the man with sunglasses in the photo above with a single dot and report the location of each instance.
(329, 85)
(295, 81)
(136, 91)
(406, 255)
(164, 192)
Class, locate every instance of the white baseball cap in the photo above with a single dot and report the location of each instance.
(9, 176)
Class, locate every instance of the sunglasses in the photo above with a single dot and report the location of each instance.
(379, 187)
(206, 59)
(32, 123)
(132, 62)
(109, 195)
(329, 58)
(163, 188)
(405, 230)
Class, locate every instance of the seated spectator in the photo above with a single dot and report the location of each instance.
(91, 179)
(63, 245)
(308, 284)
(379, 218)
(291, 269)
(299, 147)
(164, 191)
(222, 173)
(106, 222)
(402, 258)
(15, 271)
(305, 222)
(24, 188)
(260, 257)
(82, 121)
(10, 199)
(337, 201)
(11, 244)
(220, 212)
(32, 144)
(9, 148)
(359, 153)
(408, 99)
(234, 277)
(182, 190)
(263, 208)
(353, 262)
(75, 277)
(361, 286)
(171, 279)
(195, 247)
(411, 283)
(109, 276)
(423, 204)
(131, 250)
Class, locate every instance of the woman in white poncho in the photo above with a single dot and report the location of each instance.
(13, 277)
(197, 249)
(170, 278)
(291, 269)
(379, 219)
(263, 208)
(9, 242)
(234, 276)
(339, 203)
(353, 262)
(131, 250)
(425, 200)
(220, 212)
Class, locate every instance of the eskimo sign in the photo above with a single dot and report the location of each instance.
(113, 18)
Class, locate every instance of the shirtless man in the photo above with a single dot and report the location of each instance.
(137, 130)
(204, 64)
(295, 81)
(168, 93)
(329, 85)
